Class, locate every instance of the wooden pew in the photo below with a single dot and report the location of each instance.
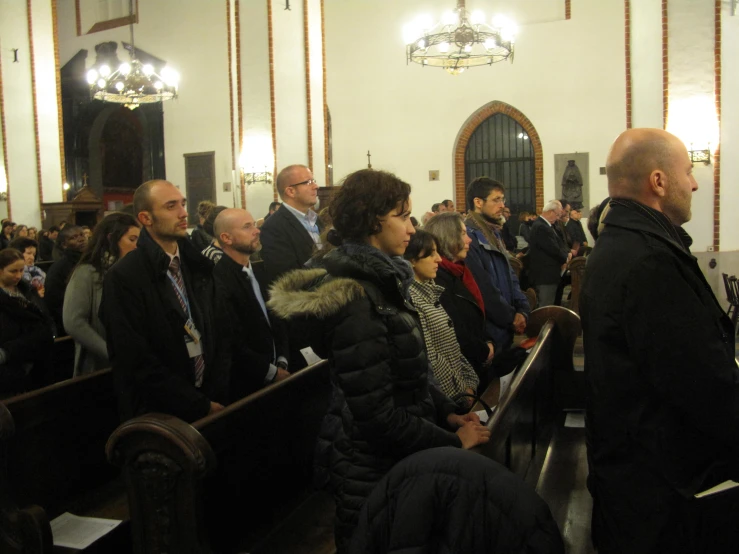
(237, 481)
(523, 422)
(52, 460)
(577, 273)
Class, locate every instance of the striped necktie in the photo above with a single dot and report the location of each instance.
(174, 269)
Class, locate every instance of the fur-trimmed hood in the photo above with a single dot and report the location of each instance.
(312, 293)
(346, 271)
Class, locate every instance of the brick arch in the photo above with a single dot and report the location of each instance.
(463, 138)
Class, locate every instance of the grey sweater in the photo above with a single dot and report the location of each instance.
(81, 305)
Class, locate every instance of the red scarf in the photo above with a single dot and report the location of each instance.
(459, 269)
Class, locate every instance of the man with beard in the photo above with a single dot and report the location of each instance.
(506, 307)
(167, 338)
(259, 339)
(662, 391)
(71, 243)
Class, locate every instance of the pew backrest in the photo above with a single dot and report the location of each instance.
(224, 481)
(577, 273)
(52, 454)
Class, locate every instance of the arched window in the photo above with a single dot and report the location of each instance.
(500, 148)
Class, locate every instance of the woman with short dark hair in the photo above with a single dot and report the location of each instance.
(114, 237)
(26, 337)
(452, 370)
(462, 298)
(357, 314)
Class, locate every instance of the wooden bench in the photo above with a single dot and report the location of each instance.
(523, 422)
(237, 481)
(52, 460)
(527, 427)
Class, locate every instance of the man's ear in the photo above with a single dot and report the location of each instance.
(477, 203)
(225, 238)
(144, 218)
(658, 183)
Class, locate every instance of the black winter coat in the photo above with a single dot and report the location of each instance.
(26, 337)
(254, 339)
(383, 406)
(547, 253)
(452, 501)
(200, 239)
(468, 318)
(144, 324)
(662, 388)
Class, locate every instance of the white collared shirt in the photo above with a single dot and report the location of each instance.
(308, 220)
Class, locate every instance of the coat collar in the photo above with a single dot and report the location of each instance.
(632, 215)
(193, 260)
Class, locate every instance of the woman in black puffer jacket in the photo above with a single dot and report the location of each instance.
(356, 311)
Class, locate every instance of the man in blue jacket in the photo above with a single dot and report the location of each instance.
(506, 307)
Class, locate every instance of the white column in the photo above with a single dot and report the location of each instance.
(291, 115)
(47, 100)
(646, 63)
(691, 111)
(256, 152)
(315, 59)
(20, 136)
(729, 130)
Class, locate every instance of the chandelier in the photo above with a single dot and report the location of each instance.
(459, 40)
(132, 83)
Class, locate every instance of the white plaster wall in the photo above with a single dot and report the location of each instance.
(691, 100)
(257, 153)
(192, 38)
(291, 111)
(646, 63)
(568, 78)
(47, 105)
(17, 95)
(315, 37)
(729, 132)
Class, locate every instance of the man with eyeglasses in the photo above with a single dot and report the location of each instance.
(506, 307)
(293, 233)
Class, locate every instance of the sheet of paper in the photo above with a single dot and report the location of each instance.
(726, 485)
(505, 382)
(575, 419)
(482, 414)
(310, 356)
(77, 532)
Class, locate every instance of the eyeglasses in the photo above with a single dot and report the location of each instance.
(308, 182)
(499, 200)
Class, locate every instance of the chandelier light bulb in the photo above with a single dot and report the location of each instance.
(421, 44)
(119, 86)
(101, 83)
(148, 69)
(92, 76)
(411, 33)
(478, 17)
(104, 70)
(65, 186)
(158, 85)
(170, 76)
(450, 18)
(124, 69)
(508, 33)
(490, 43)
(444, 47)
(500, 21)
(468, 48)
(425, 22)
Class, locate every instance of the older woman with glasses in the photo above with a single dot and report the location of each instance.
(461, 298)
(455, 374)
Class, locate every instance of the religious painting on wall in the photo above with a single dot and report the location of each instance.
(572, 178)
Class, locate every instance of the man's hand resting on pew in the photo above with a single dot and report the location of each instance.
(215, 407)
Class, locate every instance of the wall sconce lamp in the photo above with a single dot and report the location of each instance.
(254, 178)
(700, 156)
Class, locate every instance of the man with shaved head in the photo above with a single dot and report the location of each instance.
(165, 332)
(259, 339)
(662, 382)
